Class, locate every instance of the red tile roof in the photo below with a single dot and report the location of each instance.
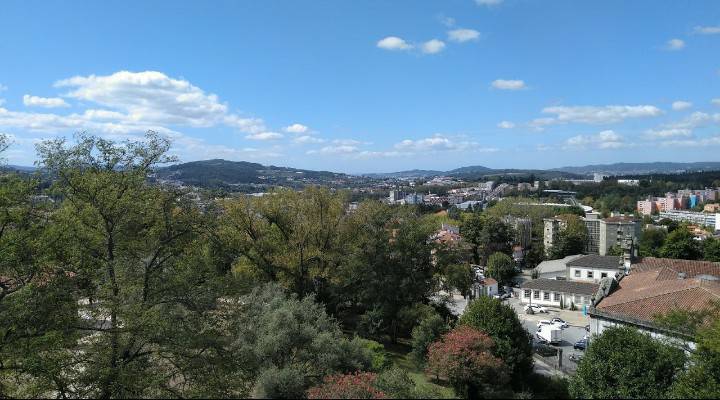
(654, 287)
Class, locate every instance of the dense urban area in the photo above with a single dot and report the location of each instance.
(126, 274)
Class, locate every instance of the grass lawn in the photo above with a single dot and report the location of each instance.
(400, 356)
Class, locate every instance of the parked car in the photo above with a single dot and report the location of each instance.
(587, 328)
(576, 358)
(560, 322)
(544, 322)
(532, 309)
(580, 344)
(505, 296)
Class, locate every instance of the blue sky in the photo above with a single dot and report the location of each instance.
(368, 86)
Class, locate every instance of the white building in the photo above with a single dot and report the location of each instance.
(557, 293)
(698, 218)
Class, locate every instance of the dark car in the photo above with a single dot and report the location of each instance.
(580, 344)
(587, 328)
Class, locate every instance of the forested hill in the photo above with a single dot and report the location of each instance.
(220, 173)
(643, 168)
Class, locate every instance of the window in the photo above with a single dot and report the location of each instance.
(577, 273)
(603, 275)
(589, 274)
(536, 294)
(527, 293)
(556, 296)
(546, 296)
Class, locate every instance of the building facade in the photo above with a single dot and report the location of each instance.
(698, 218)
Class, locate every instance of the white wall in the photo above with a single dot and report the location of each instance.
(596, 274)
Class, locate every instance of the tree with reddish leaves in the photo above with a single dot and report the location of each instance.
(359, 385)
(464, 357)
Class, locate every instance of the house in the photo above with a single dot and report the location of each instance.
(655, 287)
(593, 268)
(557, 293)
(555, 269)
(484, 287)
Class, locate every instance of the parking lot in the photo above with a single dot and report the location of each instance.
(570, 335)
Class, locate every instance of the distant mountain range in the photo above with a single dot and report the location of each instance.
(222, 173)
(242, 175)
(642, 168)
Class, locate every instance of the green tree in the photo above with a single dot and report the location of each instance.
(625, 363)
(486, 235)
(459, 277)
(513, 344)
(651, 241)
(501, 267)
(711, 250)
(681, 244)
(471, 231)
(572, 239)
(426, 332)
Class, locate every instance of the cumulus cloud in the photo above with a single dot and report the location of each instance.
(463, 35)
(707, 30)
(46, 102)
(150, 96)
(702, 142)
(307, 139)
(681, 105)
(296, 128)
(675, 44)
(604, 140)
(506, 125)
(393, 43)
(439, 143)
(264, 136)
(433, 46)
(488, 2)
(595, 114)
(340, 149)
(668, 133)
(508, 84)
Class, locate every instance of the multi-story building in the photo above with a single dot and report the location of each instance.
(523, 230)
(699, 218)
(683, 199)
(603, 234)
(613, 229)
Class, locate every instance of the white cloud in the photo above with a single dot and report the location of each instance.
(349, 142)
(707, 30)
(595, 114)
(508, 84)
(704, 142)
(447, 21)
(667, 133)
(463, 35)
(341, 149)
(432, 46)
(46, 102)
(149, 96)
(506, 125)
(439, 143)
(675, 44)
(393, 43)
(307, 139)
(296, 128)
(488, 2)
(603, 140)
(715, 101)
(247, 125)
(264, 136)
(3, 87)
(681, 105)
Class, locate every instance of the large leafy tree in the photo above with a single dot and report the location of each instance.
(128, 250)
(681, 244)
(572, 239)
(464, 357)
(486, 235)
(651, 241)
(286, 236)
(513, 344)
(625, 363)
(711, 249)
(501, 267)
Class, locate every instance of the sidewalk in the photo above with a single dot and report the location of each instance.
(573, 318)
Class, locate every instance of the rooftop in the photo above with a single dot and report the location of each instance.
(596, 261)
(553, 285)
